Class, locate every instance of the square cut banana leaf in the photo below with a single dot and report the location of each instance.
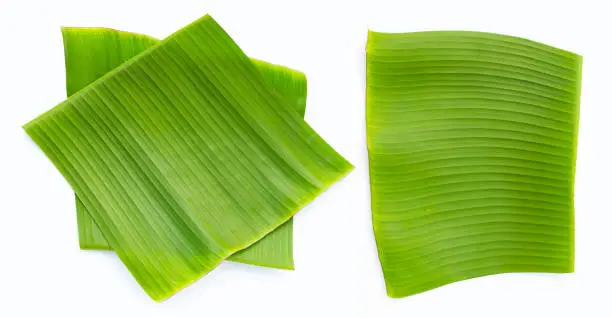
(472, 149)
(92, 52)
(184, 155)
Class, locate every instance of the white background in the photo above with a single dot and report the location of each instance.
(44, 274)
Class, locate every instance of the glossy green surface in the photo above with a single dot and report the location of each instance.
(184, 155)
(472, 148)
(92, 52)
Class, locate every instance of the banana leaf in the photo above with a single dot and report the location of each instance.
(184, 155)
(472, 149)
(92, 52)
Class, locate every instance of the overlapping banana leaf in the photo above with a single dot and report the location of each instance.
(184, 155)
(92, 52)
(472, 149)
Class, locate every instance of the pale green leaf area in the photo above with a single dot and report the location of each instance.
(92, 52)
(184, 155)
(472, 149)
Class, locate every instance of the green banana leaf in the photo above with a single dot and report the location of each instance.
(184, 155)
(472, 148)
(92, 52)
